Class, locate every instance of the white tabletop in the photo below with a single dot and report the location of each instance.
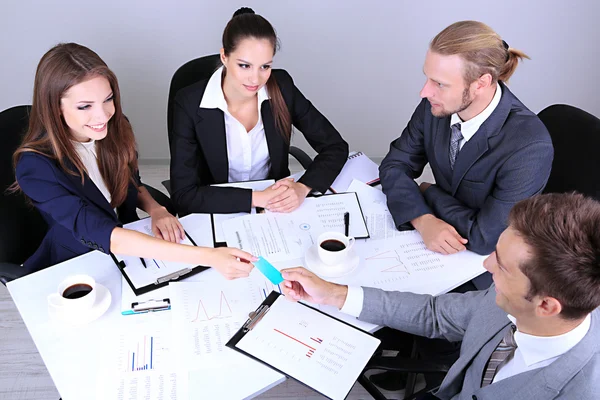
(71, 353)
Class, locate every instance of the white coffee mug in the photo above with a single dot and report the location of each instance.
(64, 301)
(333, 241)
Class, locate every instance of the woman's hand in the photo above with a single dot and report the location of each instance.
(289, 200)
(261, 198)
(232, 263)
(165, 226)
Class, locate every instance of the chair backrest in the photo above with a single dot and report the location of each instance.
(576, 139)
(22, 228)
(189, 73)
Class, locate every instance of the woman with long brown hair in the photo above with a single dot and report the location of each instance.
(236, 126)
(78, 166)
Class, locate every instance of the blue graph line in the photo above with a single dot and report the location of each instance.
(279, 288)
(133, 362)
(155, 263)
(265, 292)
(151, 349)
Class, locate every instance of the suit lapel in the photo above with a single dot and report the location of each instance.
(468, 155)
(90, 191)
(479, 143)
(274, 141)
(214, 142)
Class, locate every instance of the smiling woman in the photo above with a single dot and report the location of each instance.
(78, 165)
(236, 126)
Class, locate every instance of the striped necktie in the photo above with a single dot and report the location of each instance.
(500, 356)
(455, 139)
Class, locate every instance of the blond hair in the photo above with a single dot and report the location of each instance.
(483, 50)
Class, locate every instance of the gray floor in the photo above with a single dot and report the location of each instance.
(23, 375)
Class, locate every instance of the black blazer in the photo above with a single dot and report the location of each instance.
(199, 149)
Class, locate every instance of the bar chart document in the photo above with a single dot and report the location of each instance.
(313, 348)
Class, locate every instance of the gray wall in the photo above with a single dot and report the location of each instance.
(359, 62)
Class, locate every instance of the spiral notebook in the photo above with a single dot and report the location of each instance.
(359, 167)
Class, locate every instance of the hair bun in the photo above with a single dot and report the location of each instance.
(243, 10)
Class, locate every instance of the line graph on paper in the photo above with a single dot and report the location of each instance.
(224, 310)
(401, 264)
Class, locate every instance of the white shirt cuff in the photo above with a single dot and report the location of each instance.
(354, 301)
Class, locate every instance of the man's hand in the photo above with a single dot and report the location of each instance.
(289, 200)
(301, 284)
(438, 235)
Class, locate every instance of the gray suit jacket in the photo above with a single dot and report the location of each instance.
(507, 160)
(475, 319)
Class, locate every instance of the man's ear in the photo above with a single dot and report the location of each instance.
(548, 307)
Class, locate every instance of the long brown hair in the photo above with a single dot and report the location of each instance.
(63, 66)
(244, 24)
(483, 50)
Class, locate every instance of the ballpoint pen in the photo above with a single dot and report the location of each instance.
(346, 223)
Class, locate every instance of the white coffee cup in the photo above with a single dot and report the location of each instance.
(66, 300)
(333, 241)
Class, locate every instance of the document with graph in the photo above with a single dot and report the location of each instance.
(320, 351)
(205, 315)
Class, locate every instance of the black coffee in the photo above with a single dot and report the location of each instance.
(76, 291)
(333, 245)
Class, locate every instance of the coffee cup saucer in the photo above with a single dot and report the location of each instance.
(102, 303)
(314, 263)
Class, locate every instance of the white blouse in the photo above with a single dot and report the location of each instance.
(87, 154)
(247, 152)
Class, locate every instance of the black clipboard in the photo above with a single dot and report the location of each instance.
(256, 316)
(163, 280)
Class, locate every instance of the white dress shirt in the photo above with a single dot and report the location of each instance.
(540, 351)
(532, 351)
(87, 154)
(470, 127)
(247, 152)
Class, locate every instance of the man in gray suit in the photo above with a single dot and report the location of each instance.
(535, 334)
(487, 151)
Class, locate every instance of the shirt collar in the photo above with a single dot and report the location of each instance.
(536, 349)
(214, 97)
(470, 127)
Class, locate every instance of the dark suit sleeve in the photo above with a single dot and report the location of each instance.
(321, 135)
(189, 193)
(403, 163)
(523, 175)
(39, 182)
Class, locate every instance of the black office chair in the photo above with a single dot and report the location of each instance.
(197, 70)
(22, 228)
(576, 139)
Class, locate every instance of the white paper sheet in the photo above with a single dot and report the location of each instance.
(206, 314)
(145, 385)
(218, 219)
(330, 210)
(311, 347)
(406, 264)
(142, 276)
(276, 237)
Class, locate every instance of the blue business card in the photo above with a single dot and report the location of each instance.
(269, 271)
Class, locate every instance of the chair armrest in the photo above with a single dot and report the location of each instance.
(10, 272)
(401, 364)
(301, 156)
(161, 199)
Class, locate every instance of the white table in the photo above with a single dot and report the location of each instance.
(68, 352)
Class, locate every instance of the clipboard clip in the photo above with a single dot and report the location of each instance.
(151, 305)
(173, 276)
(255, 317)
